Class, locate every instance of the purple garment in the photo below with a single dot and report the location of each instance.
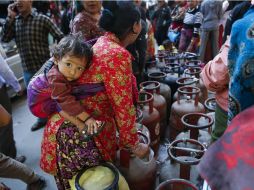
(39, 95)
(185, 39)
(73, 154)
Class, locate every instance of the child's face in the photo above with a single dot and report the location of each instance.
(192, 3)
(72, 67)
(168, 47)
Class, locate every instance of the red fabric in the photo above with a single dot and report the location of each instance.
(228, 163)
(48, 145)
(111, 65)
(150, 51)
(61, 92)
(87, 25)
(176, 25)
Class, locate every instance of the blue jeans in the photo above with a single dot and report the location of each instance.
(27, 77)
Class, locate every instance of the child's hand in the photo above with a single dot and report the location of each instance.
(92, 126)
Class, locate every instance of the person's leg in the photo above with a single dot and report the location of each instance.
(184, 40)
(10, 168)
(7, 143)
(203, 46)
(183, 43)
(215, 42)
(41, 122)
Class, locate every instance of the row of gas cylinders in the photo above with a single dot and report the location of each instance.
(170, 102)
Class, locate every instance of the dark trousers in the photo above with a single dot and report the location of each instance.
(7, 143)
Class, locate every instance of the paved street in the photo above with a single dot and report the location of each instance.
(27, 142)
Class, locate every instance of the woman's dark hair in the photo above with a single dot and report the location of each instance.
(118, 17)
(73, 45)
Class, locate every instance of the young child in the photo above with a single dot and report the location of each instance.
(55, 91)
(167, 45)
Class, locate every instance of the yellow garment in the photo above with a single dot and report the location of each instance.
(161, 47)
(173, 50)
(96, 175)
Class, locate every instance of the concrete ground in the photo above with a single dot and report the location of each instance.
(27, 143)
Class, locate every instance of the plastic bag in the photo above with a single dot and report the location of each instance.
(173, 36)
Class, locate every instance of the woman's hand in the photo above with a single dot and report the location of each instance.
(92, 126)
(140, 150)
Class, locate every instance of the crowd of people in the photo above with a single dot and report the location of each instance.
(81, 84)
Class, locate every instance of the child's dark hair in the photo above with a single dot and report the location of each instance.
(167, 43)
(73, 45)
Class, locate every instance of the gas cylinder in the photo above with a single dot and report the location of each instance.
(194, 122)
(188, 56)
(177, 184)
(210, 104)
(165, 90)
(195, 72)
(171, 58)
(173, 72)
(183, 155)
(150, 63)
(151, 118)
(184, 81)
(159, 103)
(182, 107)
(193, 63)
(161, 55)
(139, 116)
(186, 152)
(151, 66)
(144, 130)
(139, 173)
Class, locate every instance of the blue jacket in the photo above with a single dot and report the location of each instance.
(241, 64)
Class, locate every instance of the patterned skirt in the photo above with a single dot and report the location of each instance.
(73, 154)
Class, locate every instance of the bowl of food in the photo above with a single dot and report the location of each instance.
(102, 177)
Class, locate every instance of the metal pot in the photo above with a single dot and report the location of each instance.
(114, 184)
